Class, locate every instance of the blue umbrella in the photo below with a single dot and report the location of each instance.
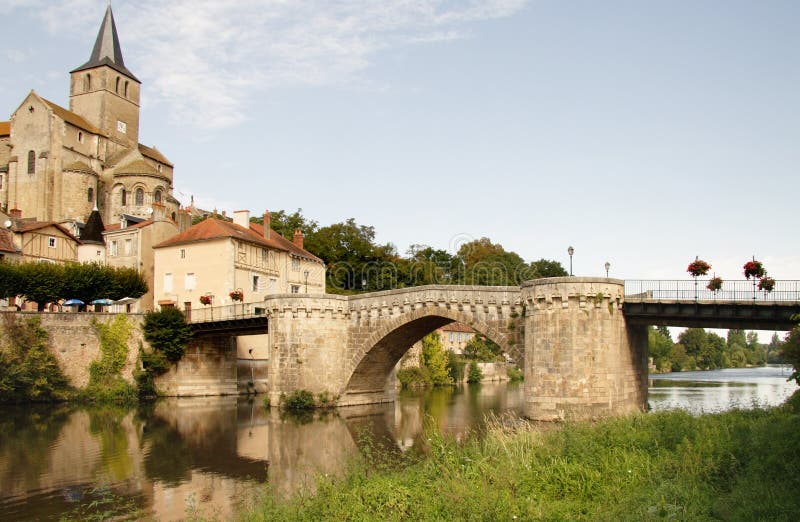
(73, 302)
(102, 302)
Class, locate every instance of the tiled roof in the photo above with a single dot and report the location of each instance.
(72, 118)
(117, 226)
(80, 166)
(457, 327)
(136, 167)
(154, 153)
(212, 228)
(7, 242)
(5, 128)
(23, 226)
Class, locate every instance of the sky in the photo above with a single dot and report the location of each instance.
(641, 133)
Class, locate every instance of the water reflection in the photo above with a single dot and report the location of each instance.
(208, 454)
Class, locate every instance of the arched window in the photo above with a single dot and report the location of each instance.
(87, 82)
(80, 137)
(139, 197)
(124, 197)
(157, 196)
(116, 86)
(173, 216)
(90, 195)
(126, 88)
(31, 162)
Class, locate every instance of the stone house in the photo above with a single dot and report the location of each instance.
(58, 164)
(455, 336)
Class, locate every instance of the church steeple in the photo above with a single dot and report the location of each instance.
(107, 50)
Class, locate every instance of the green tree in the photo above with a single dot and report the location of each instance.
(481, 348)
(9, 279)
(41, 283)
(475, 374)
(285, 223)
(167, 332)
(698, 347)
(87, 281)
(435, 359)
(660, 349)
(547, 268)
(126, 282)
(790, 351)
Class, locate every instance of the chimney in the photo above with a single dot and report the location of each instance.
(242, 218)
(298, 238)
(267, 224)
(16, 213)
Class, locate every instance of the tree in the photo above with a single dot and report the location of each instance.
(126, 282)
(790, 351)
(547, 268)
(285, 223)
(87, 281)
(481, 348)
(660, 349)
(167, 332)
(41, 283)
(9, 280)
(435, 359)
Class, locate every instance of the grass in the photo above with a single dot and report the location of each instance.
(738, 465)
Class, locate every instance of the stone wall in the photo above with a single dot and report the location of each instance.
(75, 343)
(581, 358)
(208, 367)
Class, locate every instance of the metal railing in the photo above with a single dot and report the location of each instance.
(229, 312)
(786, 291)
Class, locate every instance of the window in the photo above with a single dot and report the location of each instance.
(272, 284)
(263, 250)
(183, 253)
(124, 194)
(168, 282)
(90, 195)
(87, 82)
(158, 167)
(139, 197)
(80, 137)
(113, 250)
(256, 283)
(126, 88)
(451, 337)
(295, 264)
(295, 289)
(116, 86)
(1, 182)
(189, 281)
(128, 247)
(51, 242)
(157, 196)
(122, 127)
(31, 162)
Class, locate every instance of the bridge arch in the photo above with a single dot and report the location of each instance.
(375, 357)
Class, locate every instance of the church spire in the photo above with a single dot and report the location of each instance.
(107, 50)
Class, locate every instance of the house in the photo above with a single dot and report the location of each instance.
(456, 336)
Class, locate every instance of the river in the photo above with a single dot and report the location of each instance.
(214, 454)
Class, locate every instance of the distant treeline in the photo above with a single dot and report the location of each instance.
(697, 349)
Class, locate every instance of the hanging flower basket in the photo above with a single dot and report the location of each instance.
(237, 295)
(698, 267)
(754, 269)
(766, 284)
(205, 299)
(714, 284)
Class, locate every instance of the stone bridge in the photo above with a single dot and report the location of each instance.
(569, 334)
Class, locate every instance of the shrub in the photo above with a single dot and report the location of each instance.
(414, 377)
(475, 374)
(455, 367)
(435, 359)
(515, 374)
(105, 379)
(298, 400)
(167, 332)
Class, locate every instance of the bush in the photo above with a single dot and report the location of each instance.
(475, 374)
(455, 367)
(414, 377)
(515, 374)
(167, 332)
(298, 400)
(105, 375)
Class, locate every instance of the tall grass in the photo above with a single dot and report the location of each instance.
(739, 465)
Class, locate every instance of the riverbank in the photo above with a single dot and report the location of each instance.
(738, 465)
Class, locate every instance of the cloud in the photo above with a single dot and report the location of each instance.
(204, 59)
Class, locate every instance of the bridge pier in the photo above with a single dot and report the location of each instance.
(208, 367)
(582, 360)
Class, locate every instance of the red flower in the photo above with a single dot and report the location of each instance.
(766, 284)
(205, 299)
(698, 267)
(237, 295)
(714, 284)
(754, 269)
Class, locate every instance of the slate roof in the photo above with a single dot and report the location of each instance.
(93, 229)
(107, 50)
(7, 242)
(118, 226)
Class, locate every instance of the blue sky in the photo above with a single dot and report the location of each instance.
(641, 133)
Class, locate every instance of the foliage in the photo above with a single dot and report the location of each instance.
(167, 332)
(698, 267)
(414, 377)
(237, 295)
(714, 284)
(455, 366)
(739, 465)
(515, 374)
(205, 299)
(481, 348)
(105, 375)
(285, 223)
(435, 359)
(547, 268)
(698, 349)
(790, 351)
(9, 279)
(41, 283)
(298, 400)
(475, 374)
(754, 269)
(28, 369)
(766, 284)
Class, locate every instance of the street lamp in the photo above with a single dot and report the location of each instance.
(306, 276)
(608, 265)
(570, 251)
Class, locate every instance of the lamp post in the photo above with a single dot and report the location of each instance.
(306, 276)
(570, 251)
(608, 266)
(363, 284)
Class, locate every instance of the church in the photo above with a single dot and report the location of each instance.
(58, 164)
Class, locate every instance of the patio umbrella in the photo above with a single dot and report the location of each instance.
(102, 302)
(73, 302)
(126, 300)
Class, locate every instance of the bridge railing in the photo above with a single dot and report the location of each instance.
(229, 312)
(785, 291)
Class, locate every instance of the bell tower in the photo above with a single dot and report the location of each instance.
(104, 91)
